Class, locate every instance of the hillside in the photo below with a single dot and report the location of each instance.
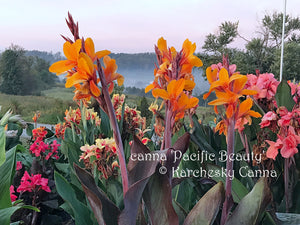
(136, 68)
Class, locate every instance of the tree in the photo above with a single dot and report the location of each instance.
(12, 70)
(291, 67)
(145, 112)
(217, 43)
(262, 50)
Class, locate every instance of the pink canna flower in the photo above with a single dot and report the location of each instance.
(268, 117)
(19, 165)
(272, 151)
(12, 191)
(268, 84)
(289, 144)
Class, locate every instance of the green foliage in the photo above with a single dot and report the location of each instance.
(291, 56)
(50, 108)
(201, 214)
(2, 145)
(143, 108)
(217, 43)
(23, 75)
(6, 213)
(250, 209)
(80, 212)
(6, 176)
(283, 96)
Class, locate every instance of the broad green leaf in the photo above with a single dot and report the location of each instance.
(6, 213)
(200, 138)
(29, 129)
(158, 200)
(2, 145)
(7, 173)
(283, 96)
(201, 213)
(105, 124)
(250, 208)
(82, 214)
(105, 211)
(238, 189)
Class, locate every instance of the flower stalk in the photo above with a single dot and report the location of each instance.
(227, 205)
(113, 121)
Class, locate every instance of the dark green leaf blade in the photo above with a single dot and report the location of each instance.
(252, 205)
(201, 214)
(283, 96)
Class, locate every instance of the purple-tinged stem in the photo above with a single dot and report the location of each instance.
(229, 169)
(115, 128)
(168, 129)
(286, 183)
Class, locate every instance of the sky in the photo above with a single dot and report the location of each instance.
(130, 26)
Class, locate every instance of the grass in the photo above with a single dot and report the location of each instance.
(51, 108)
(54, 102)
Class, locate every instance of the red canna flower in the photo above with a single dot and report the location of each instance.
(33, 183)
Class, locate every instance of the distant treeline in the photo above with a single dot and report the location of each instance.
(25, 73)
(137, 61)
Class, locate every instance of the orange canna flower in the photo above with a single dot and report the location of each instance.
(221, 127)
(189, 60)
(245, 113)
(174, 89)
(71, 51)
(90, 50)
(85, 74)
(110, 68)
(179, 101)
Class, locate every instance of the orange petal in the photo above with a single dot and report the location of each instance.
(85, 63)
(195, 61)
(192, 102)
(218, 101)
(76, 78)
(223, 75)
(211, 75)
(205, 96)
(162, 44)
(160, 93)
(94, 89)
(248, 92)
(229, 111)
(175, 87)
(239, 82)
(189, 85)
(102, 53)
(61, 67)
(254, 114)
(149, 87)
(245, 106)
(89, 47)
(71, 51)
(111, 87)
(120, 79)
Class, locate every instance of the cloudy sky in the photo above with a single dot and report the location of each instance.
(129, 26)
